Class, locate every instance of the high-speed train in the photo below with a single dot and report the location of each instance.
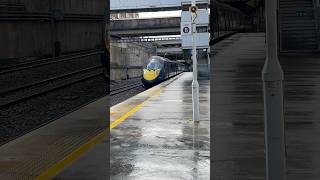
(159, 69)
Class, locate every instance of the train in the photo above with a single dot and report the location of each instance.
(159, 69)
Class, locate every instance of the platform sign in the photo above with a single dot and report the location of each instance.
(186, 28)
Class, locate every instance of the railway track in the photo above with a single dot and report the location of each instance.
(28, 91)
(48, 61)
(125, 88)
(46, 89)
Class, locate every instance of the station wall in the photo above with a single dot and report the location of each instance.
(46, 28)
(67, 6)
(127, 59)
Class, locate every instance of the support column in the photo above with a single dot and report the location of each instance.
(195, 84)
(272, 76)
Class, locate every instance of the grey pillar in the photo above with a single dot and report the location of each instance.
(272, 76)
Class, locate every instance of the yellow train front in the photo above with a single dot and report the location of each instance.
(159, 69)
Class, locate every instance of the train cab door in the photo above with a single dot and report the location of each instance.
(167, 69)
(164, 70)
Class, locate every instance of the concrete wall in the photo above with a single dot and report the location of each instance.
(154, 23)
(146, 27)
(67, 6)
(29, 28)
(128, 59)
(21, 39)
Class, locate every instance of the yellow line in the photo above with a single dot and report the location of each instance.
(56, 168)
(130, 113)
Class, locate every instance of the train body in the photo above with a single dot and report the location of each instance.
(159, 69)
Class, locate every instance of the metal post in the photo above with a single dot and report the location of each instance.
(195, 84)
(272, 76)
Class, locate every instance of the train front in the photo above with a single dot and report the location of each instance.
(152, 73)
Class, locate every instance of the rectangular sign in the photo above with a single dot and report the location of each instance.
(202, 41)
(186, 28)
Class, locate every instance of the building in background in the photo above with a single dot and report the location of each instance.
(124, 15)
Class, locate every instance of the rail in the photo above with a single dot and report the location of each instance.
(26, 92)
(48, 61)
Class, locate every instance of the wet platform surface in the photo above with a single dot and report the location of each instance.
(237, 122)
(72, 147)
(92, 165)
(157, 140)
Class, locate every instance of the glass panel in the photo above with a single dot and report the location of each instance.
(153, 65)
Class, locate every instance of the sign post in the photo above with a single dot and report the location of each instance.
(272, 77)
(195, 84)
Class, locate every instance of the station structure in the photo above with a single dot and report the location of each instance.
(254, 115)
(164, 134)
(258, 108)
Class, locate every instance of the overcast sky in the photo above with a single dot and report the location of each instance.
(160, 14)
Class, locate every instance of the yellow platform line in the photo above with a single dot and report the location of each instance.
(128, 114)
(134, 110)
(56, 168)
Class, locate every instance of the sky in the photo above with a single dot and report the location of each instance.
(160, 14)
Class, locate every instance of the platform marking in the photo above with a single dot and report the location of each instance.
(56, 168)
(69, 159)
(134, 110)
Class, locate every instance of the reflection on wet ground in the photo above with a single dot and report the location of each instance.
(159, 142)
(237, 111)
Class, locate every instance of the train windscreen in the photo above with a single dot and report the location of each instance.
(154, 65)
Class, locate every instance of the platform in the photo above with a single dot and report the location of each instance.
(237, 122)
(53, 149)
(152, 134)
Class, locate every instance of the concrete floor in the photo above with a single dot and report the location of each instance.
(93, 165)
(156, 142)
(237, 122)
(39, 153)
